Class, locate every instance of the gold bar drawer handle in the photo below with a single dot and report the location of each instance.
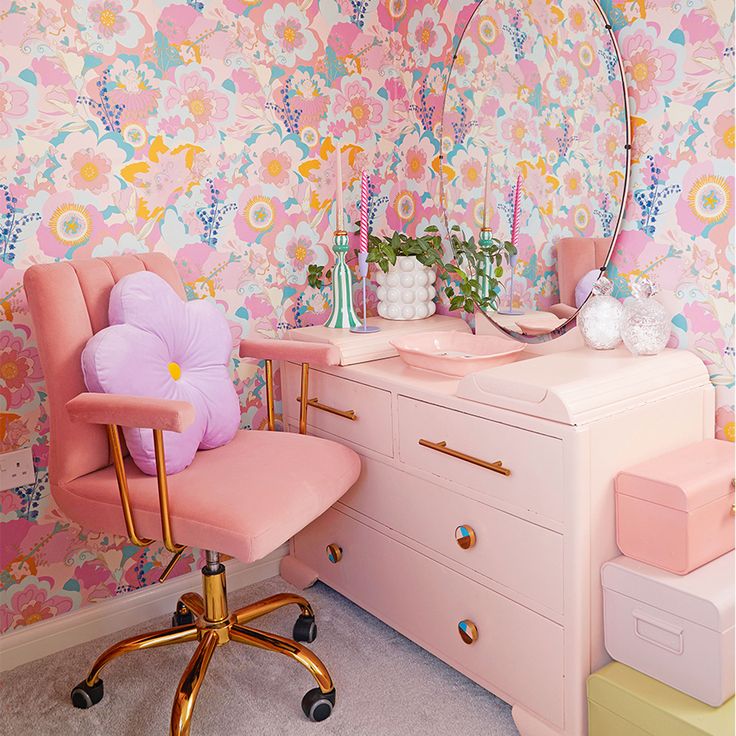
(468, 631)
(496, 467)
(465, 536)
(344, 413)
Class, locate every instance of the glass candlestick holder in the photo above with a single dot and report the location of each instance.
(485, 240)
(485, 237)
(365, 328)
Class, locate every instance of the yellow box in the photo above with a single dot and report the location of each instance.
(623, 702)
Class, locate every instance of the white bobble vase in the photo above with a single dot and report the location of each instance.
(406, 292)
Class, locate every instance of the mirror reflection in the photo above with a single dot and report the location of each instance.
(536, 102)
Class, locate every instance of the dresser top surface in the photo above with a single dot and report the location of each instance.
(572, 387)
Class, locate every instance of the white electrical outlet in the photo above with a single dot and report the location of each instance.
(16, 469)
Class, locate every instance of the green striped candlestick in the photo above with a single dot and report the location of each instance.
(343, 313)
(485, 240)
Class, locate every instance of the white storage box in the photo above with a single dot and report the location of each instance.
(677, 629)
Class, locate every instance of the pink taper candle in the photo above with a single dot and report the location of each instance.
(515, 221)
(363, 244)
(487, 194)
(340, 211)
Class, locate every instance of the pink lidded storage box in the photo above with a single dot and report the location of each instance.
(676, 511)
(677, 629)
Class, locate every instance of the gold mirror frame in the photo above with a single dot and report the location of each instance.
(569, 323)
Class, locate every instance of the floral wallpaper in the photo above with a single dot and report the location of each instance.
(208, 129)
(535, 91)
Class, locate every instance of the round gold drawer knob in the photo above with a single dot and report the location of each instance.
(465, 536)
(334, 553)
(468, 631)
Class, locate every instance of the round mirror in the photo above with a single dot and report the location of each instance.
(535, 144)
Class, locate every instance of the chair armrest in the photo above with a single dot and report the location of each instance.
(563, 311)
(131, 411)
(314, 353)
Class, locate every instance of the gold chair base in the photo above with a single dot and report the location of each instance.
(214, 627)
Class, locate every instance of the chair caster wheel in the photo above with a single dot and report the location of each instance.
(182, 616)
(317, 706)
(85, 696)
(305, 629)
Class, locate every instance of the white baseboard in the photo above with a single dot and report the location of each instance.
(99, 619)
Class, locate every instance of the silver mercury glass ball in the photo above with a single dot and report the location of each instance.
(645, 327)
(599, 318)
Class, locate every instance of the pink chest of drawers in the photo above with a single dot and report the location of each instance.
(479, 524)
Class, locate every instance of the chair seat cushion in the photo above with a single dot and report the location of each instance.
(159, 346)
(243, 499)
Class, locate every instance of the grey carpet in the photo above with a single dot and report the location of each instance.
(386, 685)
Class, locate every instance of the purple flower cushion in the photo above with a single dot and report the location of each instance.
(160, 346)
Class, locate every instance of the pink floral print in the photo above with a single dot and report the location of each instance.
(90, 170)
(13, 106)
(135, 87)
(109, 24)
(427, 34)
(416, 160)
(724, 132)
(275, 167)
(19, 370)
(359, 108)
(650, 69)
(288, 33)
(196, 103)
(32, 604)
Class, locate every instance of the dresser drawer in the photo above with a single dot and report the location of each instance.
(371, 427)
(516, 649)
(522, 556)
(533, 461)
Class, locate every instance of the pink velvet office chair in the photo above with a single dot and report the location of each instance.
(244, 499)
(575, 257)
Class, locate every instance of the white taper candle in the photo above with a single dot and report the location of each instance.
(487, 194)
(340, 209)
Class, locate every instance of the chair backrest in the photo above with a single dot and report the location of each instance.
(575, 257)
(68, 303)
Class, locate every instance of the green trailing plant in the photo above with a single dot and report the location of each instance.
(316, 276)
(473, 265)
(463, 276)
(384, 250)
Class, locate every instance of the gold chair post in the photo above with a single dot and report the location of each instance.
(214, 592)
(116, 449)
(113, 436)
(304, 404)
(163, 492)
(167, 570)
(269, 396)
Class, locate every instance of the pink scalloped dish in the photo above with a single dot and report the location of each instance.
(456, 353)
